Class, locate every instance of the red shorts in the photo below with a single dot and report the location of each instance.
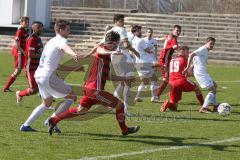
(31, 80)
(179, 86)
(92, 97)
(19, 59)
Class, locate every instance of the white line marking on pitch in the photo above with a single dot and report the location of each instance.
(234, 139)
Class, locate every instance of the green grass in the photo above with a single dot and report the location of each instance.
(101, 136)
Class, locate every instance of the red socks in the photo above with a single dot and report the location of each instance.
(200, 99)
(120, 116)
(25, 92)
(70, 113)
(10, 82)
(162, 87)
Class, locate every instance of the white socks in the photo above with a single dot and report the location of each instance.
(38, 111)
(141, 88)
(209, 99)
(154, 87)
(119, 90)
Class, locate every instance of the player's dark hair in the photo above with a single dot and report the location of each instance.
(177, 26)
(112, 37)
(211, 39)
(60, 24)
(37, 22)
(135, 28)
(117, 17)
(24, 19)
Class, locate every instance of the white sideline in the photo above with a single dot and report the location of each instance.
(234, 139)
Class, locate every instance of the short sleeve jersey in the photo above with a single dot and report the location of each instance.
(51, 56)
(139, 45)
(170, 41)
(21, 36)
(200, 61)
(34, 46)
(176, 68)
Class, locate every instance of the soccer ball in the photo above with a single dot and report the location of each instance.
(224, 109)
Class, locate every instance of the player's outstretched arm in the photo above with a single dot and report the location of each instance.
(128, 46)
(187, 70)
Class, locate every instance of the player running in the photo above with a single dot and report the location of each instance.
(49, 84)
(94, 87)
(179, 82)
(123, 63)
(170, 45)
(144, 63)
(18, 51)
(33, 53)
(199, 58)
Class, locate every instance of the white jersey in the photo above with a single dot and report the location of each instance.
(123, 35)
(140, 45)
(51, 56)
(151, 44)
(200, 61)
(130, 36)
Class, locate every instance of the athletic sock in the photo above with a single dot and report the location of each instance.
(154, 88)
(119, 90)
(141, 88)
(200, 98)
(70, 113)
(39, 110)
(120, 116)
(10, 82)
(208, 100)
(126, 95)
(161, 88)
(25, 92)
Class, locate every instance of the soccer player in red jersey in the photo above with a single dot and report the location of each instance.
(170, 45)
(18, 51)
(33, 51)
(179, 82)
(94, 87)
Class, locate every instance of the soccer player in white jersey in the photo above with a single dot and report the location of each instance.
(199, 58)
(49, 84)
(145, 62)
(152, 43)
(123, 63)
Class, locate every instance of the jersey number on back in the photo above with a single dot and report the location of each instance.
(174, 66)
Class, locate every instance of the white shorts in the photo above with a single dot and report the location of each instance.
(204, 80)
(52, 87)
(121, 67)
(145, 70)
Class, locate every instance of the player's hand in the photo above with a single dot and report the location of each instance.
(137, 54)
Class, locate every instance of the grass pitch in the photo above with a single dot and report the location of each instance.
(181, 135)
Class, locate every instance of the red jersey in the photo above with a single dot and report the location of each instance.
(99, 72)
(34, 46)
(177, 66)
(167, 51)
(21, 37)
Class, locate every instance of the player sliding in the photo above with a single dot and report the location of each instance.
(94, 87)
(199, 58)
(179, 82)
(49, 84)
